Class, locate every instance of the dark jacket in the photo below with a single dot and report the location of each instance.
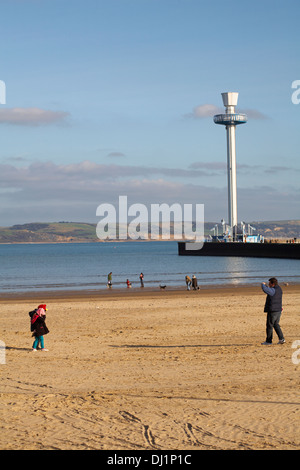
(274, 302)
(39, 327)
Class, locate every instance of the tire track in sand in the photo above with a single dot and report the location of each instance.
(146, 430)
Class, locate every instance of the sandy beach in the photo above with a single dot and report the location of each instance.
(150, 370)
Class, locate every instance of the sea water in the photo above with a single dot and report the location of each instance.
(76, 266)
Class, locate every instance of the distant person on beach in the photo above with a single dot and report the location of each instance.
(273, 308)
(109, 280)
(194, 282)
(142, 279)
(188, 282)
(128, 283)
(38, 326)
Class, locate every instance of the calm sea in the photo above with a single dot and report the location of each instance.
(53, 267)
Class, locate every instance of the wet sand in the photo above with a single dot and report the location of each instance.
(143, 369)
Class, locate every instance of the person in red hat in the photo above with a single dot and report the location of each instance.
(38, 326)
(43, 306)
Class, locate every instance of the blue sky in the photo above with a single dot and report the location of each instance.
(116, 97)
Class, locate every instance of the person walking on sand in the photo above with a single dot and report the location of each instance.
(273, 308)
(194, 282)
(142, 279)
(188, 282)
(39, 327)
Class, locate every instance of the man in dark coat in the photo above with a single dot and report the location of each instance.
(273, 308)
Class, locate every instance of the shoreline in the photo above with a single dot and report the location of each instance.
(146, 292)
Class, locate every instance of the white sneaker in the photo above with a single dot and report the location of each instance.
(281, 341)
(44, 349)
(34, 350)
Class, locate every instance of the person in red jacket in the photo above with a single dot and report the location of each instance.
(38, 326)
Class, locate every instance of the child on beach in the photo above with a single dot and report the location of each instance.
(38, 326)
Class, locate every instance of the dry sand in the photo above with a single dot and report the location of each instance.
(142, 370)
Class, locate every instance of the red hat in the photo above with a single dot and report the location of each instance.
(42, 306)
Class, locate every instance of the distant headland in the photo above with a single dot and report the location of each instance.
(75, 232)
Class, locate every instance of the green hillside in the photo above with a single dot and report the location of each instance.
(48, 233)
(68, 232)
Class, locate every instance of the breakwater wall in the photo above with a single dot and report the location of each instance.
(258, 250)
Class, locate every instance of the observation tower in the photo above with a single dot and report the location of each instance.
(231, 119)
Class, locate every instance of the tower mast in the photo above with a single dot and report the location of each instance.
(230, 120)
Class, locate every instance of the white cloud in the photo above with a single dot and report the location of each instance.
(253, 114)
(209, 110)
(31, 116)
(204, 111)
